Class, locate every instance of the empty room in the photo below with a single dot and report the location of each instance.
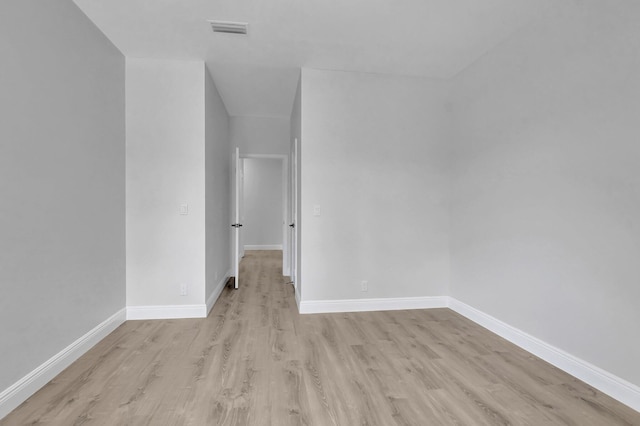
(223, 212)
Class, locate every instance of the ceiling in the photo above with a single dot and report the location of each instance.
(257, 74)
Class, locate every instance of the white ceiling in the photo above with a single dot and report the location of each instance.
(257, 74)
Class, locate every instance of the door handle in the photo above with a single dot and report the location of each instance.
(292, 225)
(237, 225)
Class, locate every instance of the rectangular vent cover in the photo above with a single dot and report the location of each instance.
(229, 27)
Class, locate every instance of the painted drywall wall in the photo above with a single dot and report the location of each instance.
(62, 160)
(263, 219)
(260, 135)
(546, 188)
(295, 133)
(165, 169)
(217, 187)
(375, 162)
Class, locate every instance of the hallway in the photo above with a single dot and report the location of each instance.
(255, 361)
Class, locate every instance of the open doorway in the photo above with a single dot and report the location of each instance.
(264, 210)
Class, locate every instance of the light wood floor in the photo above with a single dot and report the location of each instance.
(255, 361)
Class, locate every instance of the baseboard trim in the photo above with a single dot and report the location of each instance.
(365, 305)
(614, 386)
(17, 393)
(264, 247)
(211, 300)
(608, 383)
(166, 312)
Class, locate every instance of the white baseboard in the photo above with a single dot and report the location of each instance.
(263, 247)
(166, 312)
(211, 300)
(614, 386)
(365, 305)
(17, 393)
(608, 383)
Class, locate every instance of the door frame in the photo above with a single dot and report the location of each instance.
(237, 251)
(294, 214)
(284, 161)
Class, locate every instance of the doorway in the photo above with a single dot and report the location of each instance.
(263, 207)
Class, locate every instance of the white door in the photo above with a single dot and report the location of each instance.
(237, 225)
(241, 203)
(294, 215)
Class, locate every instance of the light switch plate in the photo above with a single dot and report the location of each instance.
(316, 210)
(184, 209)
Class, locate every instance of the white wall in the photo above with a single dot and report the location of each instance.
(546, 187)
(165, 168)
(263, 202)
(260, 135)
(217, 187)
(375, 159)
(62, 162)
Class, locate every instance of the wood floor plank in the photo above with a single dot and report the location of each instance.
(256, 361)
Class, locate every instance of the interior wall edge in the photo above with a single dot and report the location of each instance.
(297, 295)
(215, 294)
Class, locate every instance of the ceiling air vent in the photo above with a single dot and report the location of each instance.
(229, 27)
